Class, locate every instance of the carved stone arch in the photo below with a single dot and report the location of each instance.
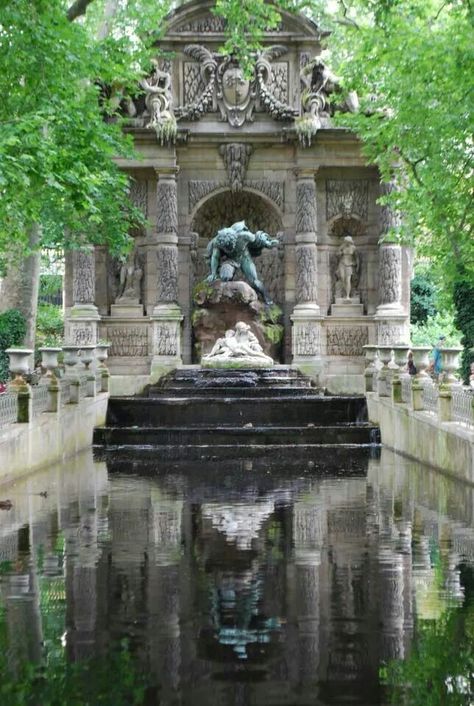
(223, 208)
(213, 189)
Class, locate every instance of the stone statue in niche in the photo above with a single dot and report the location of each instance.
(232, 249)
(239, 348)
(348, 268)
(131, 275)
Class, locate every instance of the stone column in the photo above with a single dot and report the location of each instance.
(306, 318)
(82, 325)
(167, 316)
(392, 320)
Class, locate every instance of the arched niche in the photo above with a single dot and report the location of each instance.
(225, 208)
(339, 227)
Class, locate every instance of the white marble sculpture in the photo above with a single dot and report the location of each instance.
(239, 348)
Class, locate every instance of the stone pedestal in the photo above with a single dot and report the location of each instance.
(126, 310)
(347, 307)
(166, 344)
(306, 341)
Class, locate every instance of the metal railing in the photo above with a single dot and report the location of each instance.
(40, 398)
(430, 396)
(8, 408)
(462, 409)
(406, 387)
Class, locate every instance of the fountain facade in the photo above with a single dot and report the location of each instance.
(217, 148)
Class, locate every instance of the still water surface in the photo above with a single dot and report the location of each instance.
(236, 586)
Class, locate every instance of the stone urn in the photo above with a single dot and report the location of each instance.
(370, 370)
(401, 355)
(421, 360)
(19, 363)
(71, 357)
(87, 355)
(49, 360)
(102, 353)
(450, 363)
(385, 354)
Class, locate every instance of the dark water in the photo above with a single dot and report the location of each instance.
(240, 586)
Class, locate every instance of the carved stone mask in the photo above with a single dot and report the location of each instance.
(235, 86)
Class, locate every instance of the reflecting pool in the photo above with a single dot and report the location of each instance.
(239, 584)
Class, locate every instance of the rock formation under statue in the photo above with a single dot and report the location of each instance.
(232, 249)
(239, 348)
(220, 304)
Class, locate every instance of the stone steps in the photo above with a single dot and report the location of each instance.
(293, 411)
(233, 436)
(276, 414)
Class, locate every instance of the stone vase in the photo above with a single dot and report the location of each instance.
(71, 357)
(87, 355)
(49, 360)
(421, 360)
(102, 353)
(450, 358)
(400, 355)
(19, 363)
(385, 354)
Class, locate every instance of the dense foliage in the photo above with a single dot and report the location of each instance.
(411, 63)
(57, 152)
(422, 299)
(12, 332)
(464, 303)
(439, 324)
(49, 326)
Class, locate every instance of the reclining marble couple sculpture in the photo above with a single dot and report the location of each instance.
(239, 348)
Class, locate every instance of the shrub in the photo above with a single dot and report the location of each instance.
(12, 333)
(423, 298)
(441, 324)
(464, 319)
(49, 327)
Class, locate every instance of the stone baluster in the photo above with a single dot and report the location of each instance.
(167, 314)
(82, 324)
(306, 318)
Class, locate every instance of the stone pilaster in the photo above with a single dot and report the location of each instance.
(82, 325)
(392, 320)
(306, 316)
(167, 316)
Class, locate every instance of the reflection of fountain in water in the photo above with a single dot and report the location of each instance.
(240, 523)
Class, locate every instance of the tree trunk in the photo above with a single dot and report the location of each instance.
(19, 288)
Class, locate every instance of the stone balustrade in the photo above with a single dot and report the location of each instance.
(83, 375)
(444, 397)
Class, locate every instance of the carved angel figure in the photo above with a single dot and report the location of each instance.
(347, 273)
(232, 248)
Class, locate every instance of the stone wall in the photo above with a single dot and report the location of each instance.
(49, 437)
(446, 446)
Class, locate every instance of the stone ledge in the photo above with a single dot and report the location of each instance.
(446, 446)
(49, 437)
